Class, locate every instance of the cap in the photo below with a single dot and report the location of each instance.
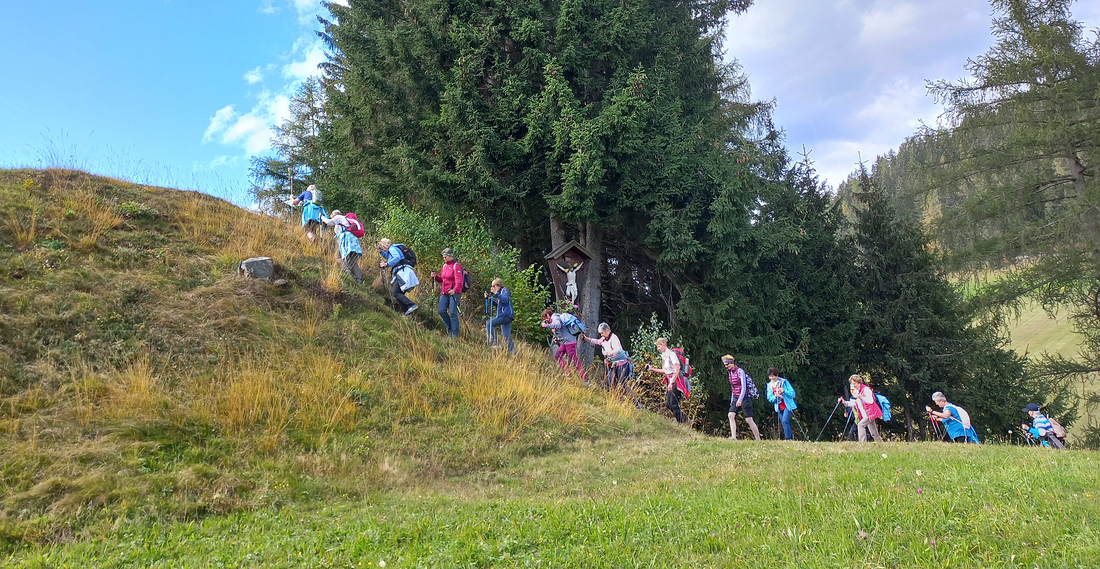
(448, 252)
(1031, 407)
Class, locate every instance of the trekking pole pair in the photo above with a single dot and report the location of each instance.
(935, 427)
(835, 407)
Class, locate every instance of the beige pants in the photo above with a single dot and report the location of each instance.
(868, 426)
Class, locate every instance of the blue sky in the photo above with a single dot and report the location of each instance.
(183, 93)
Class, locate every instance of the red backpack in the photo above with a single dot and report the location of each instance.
(354, 225)
(685, 363)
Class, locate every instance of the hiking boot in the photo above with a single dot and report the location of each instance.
(411, 309)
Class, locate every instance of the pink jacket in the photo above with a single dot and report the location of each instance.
(868, 407)
(451, 277)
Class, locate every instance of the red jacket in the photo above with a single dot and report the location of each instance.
(451, 277)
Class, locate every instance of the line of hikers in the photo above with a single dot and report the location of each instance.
(454, 280)
(863, 409)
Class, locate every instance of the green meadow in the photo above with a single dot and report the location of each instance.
(157, 410)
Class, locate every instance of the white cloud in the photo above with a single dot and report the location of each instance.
(887, 24)
(219, 162)
(251, 131)
(307, 66)
(218, 122)
(848, 76)
(254, 75)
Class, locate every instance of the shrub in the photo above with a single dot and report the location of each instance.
(136, 210)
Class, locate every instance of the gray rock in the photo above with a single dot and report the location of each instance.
(257, 267)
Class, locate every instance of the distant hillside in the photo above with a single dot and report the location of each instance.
(142, 377)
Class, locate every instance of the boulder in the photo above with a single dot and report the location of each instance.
(257, 267)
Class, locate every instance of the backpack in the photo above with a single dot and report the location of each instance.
(685, 363)
(356, 227)
(407, 252)
(572, 323)
(884, 404)
(1056, 427)
(750, 386)
(467, 280)
(316, 196)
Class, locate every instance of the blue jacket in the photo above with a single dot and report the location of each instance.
(392, 255)
(504, 303)
(311, 212)
(348, 243)
(788, 394)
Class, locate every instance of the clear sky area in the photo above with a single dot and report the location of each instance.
(183, 93)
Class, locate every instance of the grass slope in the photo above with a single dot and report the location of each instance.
(158, 411)
(142, 378)
(668, 501)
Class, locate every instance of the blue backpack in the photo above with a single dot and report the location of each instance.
(572, 323)
(883, 404)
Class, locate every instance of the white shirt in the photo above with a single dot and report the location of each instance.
(669, 362)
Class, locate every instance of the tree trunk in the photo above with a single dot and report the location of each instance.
(592, 237)
(908, 425)
(557, 231)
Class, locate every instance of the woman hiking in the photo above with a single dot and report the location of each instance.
(450, 291)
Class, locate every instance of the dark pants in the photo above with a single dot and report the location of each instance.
(351, 267)
(402, 300)
(448, 311)
(618, 375)
(960, 439)
(505, 324)
(672, 401)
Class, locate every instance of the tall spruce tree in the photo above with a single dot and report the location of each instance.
(571, 119)
(917, 334)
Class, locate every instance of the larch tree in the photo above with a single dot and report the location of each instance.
(1018, 166)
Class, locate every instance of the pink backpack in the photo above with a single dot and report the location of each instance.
(355, 226)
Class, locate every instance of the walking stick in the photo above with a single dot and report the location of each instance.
(844, 432)
(382, 275)
(827, 422)
(799, 423)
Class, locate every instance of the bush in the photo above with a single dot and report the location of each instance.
(136, 210)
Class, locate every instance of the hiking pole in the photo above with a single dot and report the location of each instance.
(799, 423)
(488, 337)
(835, 407)
(844, 432)
(382, 275)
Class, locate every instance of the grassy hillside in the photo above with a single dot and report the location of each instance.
(667, 500)
(156, 410)
(1036, 332)
(141, 377)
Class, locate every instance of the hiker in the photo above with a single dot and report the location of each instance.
(311, 211)
(565, 336)
(505, 312)
(450, 291)
(867, 409)
(350, 250)
(954, 418)
(619, 367)
(781, 395)
(740, 397)
(675, 388)
(404, 277)
(1042, 427)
